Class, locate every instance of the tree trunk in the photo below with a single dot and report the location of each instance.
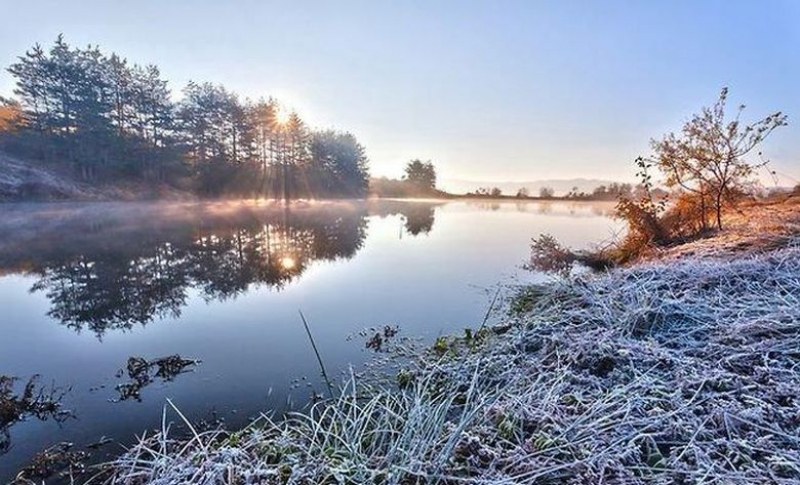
(285, 183)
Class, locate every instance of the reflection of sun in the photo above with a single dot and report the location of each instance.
(288, 262)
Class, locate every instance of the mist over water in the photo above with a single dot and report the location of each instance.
(94, 297)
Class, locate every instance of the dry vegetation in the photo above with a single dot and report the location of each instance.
(21, 180)
(752, 226)
(33, 400)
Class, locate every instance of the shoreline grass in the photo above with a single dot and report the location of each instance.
(673, 371)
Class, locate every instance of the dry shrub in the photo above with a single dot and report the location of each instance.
(549, 256)
(651, 224)
(685, 219)
(33, 401)
(654, 224)
(644, 229)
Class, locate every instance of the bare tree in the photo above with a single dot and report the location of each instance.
(707, 158)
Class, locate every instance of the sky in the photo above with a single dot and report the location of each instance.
(497, 90)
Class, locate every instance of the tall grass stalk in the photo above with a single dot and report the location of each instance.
(316, 352)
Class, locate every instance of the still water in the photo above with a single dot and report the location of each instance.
(86, 288)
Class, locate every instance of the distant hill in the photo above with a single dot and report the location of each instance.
(561, 186)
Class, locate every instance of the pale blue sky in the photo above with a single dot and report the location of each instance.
(491, 90)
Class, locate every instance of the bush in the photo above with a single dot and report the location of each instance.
(549, 256)
(684, 219)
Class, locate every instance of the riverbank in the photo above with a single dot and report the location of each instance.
(680, 368)
(23, 181)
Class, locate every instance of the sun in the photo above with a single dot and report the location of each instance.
(288, 262)
(282, 115)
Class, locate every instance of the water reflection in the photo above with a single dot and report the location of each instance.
(419, 219)
(111, 266)
(549, 207)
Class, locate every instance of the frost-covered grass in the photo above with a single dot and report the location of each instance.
(364, 436)
(666, 372)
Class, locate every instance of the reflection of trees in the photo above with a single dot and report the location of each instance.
(556, 207)
(224, 265)
(133, 272)
(418, 216)
(109, 290)
(486, 206)
(419, 219)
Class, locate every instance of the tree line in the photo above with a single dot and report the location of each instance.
(611, 192)
(107, 119)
